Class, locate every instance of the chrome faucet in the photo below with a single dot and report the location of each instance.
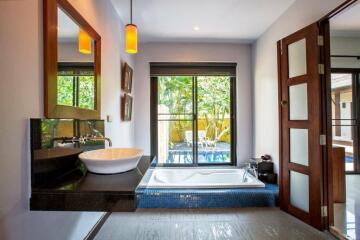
(99, 139)
(81, 140)
(65, 140)
(253, 170)
(249, 168)
(93, 130)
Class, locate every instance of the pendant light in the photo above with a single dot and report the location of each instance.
(131, 38)
(84, 42)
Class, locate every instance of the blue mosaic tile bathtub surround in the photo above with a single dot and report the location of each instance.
(208, 198)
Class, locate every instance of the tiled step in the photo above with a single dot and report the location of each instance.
(207, 198)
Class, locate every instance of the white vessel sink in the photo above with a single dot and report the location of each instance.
(111, 160)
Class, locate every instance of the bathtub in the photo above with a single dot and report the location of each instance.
(199, 178)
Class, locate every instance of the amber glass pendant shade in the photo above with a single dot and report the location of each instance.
(84, 42)
(131, 39)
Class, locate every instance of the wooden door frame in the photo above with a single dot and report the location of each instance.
(326, 123)
(314, 215)
(324, 28)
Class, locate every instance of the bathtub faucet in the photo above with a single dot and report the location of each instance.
(252, 169)
(249, 168)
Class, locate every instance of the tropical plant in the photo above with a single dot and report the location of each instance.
(86, 92)
(67, 94)
(213, 103)
(65, 90)
(213, 94)
(176, 94)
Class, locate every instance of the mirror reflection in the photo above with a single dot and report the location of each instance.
(75, 64)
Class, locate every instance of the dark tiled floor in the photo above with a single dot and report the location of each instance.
(216, 224)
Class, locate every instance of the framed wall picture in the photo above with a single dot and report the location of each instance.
(126, 78)
(126, 107)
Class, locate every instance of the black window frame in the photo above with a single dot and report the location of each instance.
(193, 69)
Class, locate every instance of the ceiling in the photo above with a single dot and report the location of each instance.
(340, 80)
(346, 23)
(201, 20)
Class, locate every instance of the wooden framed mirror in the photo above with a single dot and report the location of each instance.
(72, 58)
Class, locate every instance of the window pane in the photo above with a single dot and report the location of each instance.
(297, 58)
(65, 90)
(343, 123)
(345, 140)
(175, 95)
(175, 142)
(299, 146)
(175, 115)
(299, 190)
(298, 106)
(214, 123)
(87, 92)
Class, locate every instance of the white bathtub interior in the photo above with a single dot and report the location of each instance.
(198, 177)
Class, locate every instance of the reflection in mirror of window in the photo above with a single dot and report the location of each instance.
(76, 85)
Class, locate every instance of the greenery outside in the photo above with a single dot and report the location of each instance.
(175, 95)
(65, 90)
(87, 92)
(69, 95)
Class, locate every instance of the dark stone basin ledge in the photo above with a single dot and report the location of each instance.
(85, 191)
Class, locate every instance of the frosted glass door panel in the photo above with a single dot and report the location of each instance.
(297, 58)
(299, 146)
(298, 107)
(299, 190)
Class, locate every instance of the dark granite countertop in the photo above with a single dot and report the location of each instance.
(82, 191)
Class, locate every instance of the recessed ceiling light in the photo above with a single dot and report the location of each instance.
(196, 28)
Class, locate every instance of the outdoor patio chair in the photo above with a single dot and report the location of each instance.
(201, 138)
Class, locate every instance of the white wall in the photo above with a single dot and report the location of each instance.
(199, 52)
(102, 16)
(21, 97)
(69, 52)
(345, 46)
(265, 89)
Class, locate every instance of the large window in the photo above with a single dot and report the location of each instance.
(76, 85)
(193, 117)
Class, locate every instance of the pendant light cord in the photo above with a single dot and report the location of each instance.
(130, 11)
